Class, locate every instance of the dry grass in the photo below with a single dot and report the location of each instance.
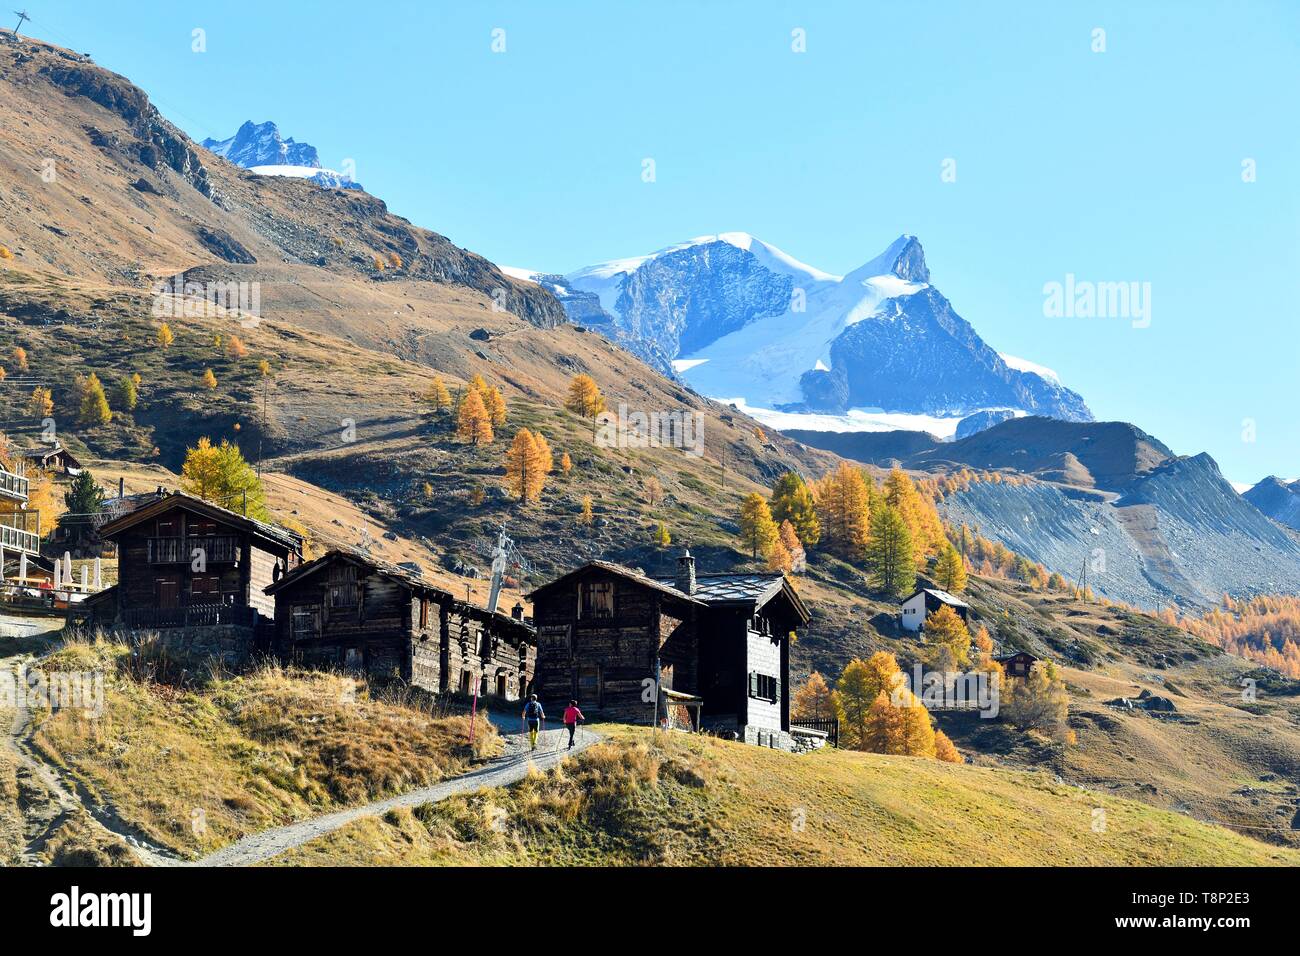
(643, 799)
(198, 767)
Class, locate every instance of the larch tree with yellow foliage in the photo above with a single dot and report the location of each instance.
(950, 570)
(20, 359)
(525, 467)
(757, 529)
(859, 685)
(165, 336)
(584, 397)
(814, 700)
(779, 557)
(844, 505)
(436, 395)
(473, 424)
(903, 727)
(586, 517)
(566, 463)
(209, 380)
(41, 404)
(662, 538)
(495, 403)
(221, 475)
(947, 640)
(945, 750)
(923, 525)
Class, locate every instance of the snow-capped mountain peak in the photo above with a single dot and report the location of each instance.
(260, 148)
(260, 144)
(743, 321)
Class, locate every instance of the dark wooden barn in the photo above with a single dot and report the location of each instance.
(347, 609)
(184, 562)
(1018, 664)
(604, 632)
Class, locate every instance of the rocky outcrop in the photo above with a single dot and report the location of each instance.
(159, 142)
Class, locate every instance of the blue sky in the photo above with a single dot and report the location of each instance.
(1123, 165)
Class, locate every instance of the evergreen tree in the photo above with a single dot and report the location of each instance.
(92, 402)
(757, 528)
(792, 500)
(82, 499)
(128, 393)
(890, 558)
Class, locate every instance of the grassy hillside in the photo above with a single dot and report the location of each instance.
(243, 753)
(643, 799)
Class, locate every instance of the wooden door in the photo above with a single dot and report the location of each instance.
(169, 592)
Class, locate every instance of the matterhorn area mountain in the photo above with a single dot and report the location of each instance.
(743, 322)
(261, 148)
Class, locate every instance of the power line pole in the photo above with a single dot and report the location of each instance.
(22, 15)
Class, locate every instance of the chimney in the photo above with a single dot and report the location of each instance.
(517, 612)
(686, 573)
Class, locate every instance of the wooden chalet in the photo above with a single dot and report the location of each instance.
(185, 562)
(1018, 664)
(55, 458)
(718, 643)
(346, 609)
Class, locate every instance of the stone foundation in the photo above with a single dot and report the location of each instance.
(798, 741)
(228, 643)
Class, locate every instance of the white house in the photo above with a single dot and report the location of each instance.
(913, 611)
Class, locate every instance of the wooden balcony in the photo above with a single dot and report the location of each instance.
(195, 615)
(13, 486)
(218, 549)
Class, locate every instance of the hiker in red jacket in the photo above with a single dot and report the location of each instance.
(571, 717)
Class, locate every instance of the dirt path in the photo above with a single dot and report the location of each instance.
(46, 800)
(49, 798)
(509, 768)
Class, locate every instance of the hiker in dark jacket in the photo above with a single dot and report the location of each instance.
(533, 716)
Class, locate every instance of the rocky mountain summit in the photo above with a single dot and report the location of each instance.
(261, 148)
(739, 319)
